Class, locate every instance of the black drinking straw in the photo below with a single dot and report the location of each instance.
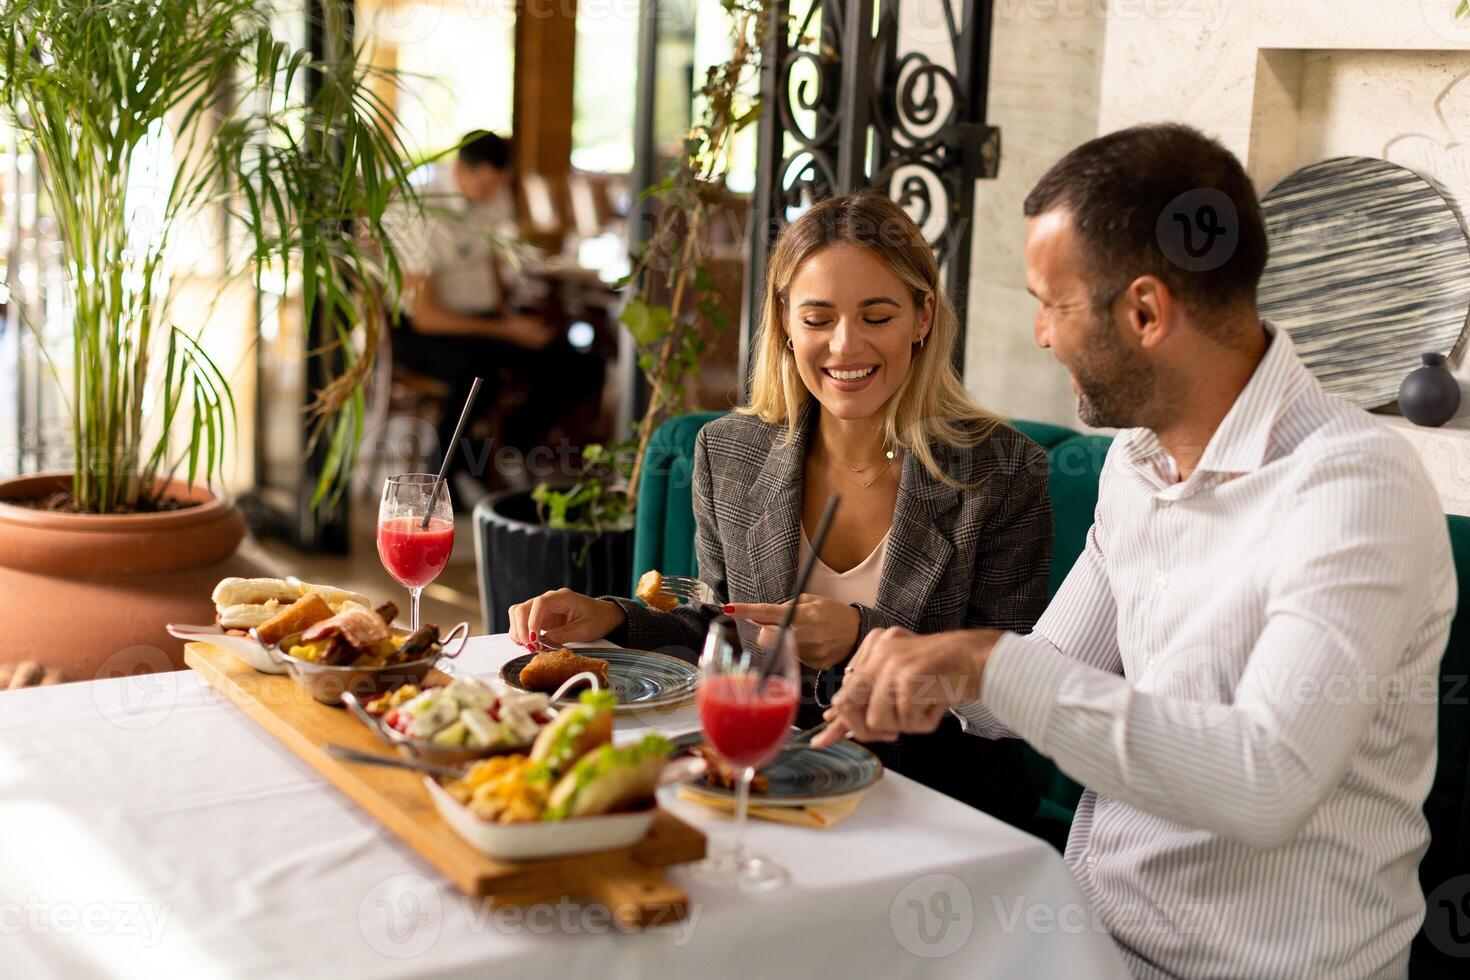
(801, 579)
(449, 451)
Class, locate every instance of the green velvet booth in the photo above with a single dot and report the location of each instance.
(665, 540)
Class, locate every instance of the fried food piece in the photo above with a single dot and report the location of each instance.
(650, 590)
(362, 629)
(550, 669)
(419, 644)
(300, 615)
(722, 774)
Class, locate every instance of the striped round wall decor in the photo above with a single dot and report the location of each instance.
(1369, 269)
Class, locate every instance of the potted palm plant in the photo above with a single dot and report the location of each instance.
(580, 536)
(295, 156)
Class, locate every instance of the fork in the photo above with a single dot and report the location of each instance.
(682, 589)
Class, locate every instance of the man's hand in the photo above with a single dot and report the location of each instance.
(532, 333)
(902, 683)
(826, 630)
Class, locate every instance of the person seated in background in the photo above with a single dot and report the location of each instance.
(945, 518)
(1236, 667)
(458, 322)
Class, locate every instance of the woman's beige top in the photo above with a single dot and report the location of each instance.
(858, 584)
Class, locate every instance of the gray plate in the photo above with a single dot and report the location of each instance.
(1369, 269)
(640, 679)
(801, 776)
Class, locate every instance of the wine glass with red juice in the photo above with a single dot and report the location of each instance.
(413, 552)
(746, 719)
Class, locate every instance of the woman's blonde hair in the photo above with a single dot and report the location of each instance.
(931, 404)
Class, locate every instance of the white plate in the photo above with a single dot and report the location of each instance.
(241, 646)
(540, 838)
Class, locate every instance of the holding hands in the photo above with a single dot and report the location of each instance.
(826, 630)
(903, 683)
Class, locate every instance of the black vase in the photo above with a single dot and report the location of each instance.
(518, 557)
(1430, 395)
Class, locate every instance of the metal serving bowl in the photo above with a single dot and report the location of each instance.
(327, 683)
(422, 750)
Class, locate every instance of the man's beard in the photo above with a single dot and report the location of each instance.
(1114, 383)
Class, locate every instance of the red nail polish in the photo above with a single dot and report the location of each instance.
(727, 609)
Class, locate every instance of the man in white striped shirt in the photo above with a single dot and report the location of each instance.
(1242, 666)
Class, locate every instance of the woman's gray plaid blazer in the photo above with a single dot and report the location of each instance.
(977, 557)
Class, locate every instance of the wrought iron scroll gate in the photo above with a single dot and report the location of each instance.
(874, 93)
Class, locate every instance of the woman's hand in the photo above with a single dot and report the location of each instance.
(826, 630)
(566, 616)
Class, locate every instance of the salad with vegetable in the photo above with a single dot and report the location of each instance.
(465, 713)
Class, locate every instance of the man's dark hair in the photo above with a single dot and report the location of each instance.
(1158, 200)
(485, 149)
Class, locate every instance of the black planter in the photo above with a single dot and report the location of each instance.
(1430, 395)
(518, 557)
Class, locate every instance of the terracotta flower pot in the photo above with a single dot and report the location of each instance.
(90, 595)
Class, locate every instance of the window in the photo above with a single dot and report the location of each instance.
(605, 85)
(457, 62)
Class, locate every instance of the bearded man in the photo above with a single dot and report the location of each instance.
(1235, 666)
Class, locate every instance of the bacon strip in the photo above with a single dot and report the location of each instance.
(359, 627)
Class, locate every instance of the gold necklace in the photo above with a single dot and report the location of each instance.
(887, 456)
(874, 480)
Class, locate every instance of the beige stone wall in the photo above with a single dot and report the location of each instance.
(1046, 62)
(1281, 82)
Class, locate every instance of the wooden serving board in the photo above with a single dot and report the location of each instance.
(630, 881)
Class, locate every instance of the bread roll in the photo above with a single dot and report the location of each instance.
(246, 615)
(336, 597)
(254, 591)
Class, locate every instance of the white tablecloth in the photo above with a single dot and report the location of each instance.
(148, 828)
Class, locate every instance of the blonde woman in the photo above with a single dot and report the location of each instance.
(945, 520)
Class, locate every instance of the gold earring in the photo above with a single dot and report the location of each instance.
(921, 343)
(789, 344)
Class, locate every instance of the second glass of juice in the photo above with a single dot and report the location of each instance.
(746, 719)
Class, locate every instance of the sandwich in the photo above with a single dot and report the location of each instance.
(573, 770)
(574, 732)
(242, 603)
(609, 779)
